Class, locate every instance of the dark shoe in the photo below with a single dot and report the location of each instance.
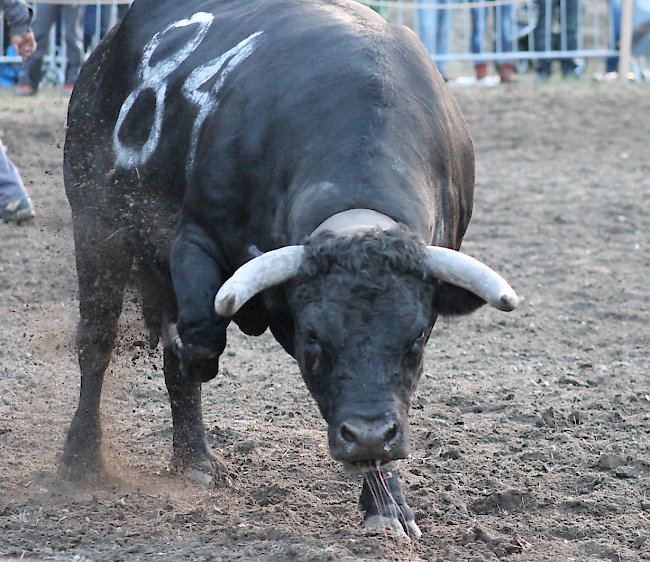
(17, 211)
(542, 78)
(505, 73)
(481, 71)
(25, 90)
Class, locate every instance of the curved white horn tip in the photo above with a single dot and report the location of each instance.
(508, 302)
(225, 305)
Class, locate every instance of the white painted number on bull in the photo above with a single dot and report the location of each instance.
(208, 101)
(156, 78)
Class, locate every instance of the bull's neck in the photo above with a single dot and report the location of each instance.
(355, 220)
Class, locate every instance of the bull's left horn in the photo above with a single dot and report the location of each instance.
(469, 273)
(262, 272)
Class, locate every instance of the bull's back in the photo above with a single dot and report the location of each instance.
(145, 94)
(214, 104)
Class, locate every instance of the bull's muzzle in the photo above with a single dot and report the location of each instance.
(358, 439)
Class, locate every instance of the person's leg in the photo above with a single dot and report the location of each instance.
(11, 186)
(73, 17)
(107, 16)
(479, 20)
(14, 201)
(444, 22)
(32, 70)
(505, 37)
(90, 25)
(568, 64)
(611, 63)
(504, 26)
(427, 27)
(122, 9)
(429, 31)
(542, 36)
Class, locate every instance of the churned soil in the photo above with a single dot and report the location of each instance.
(530, 430)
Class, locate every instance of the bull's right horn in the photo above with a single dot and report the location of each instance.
(269, 269)
(469, 273)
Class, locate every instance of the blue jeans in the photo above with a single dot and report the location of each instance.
(503, 24)
(11, 186)
(611, 63)
(434, 27)
(570, 20)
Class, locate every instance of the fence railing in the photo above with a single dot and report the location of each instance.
(454, 32)
(478, 31)
(517, 31)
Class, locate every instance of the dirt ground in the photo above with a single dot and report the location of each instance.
(530, 429)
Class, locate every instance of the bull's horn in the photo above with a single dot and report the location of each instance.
(269, 269)
(469, 273)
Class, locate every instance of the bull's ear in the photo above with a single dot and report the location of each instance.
(451, 300)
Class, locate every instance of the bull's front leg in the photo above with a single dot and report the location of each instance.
(192, 456)
(193, 357)
(384, 505)
(197, 277)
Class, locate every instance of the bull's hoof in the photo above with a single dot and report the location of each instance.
(209, 471)
(214, 480)
(384, 505)
(381, 522)
(79, 471)
(84, 476)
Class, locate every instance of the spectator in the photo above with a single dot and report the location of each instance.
(106, 16)
(543, 36)
(434, 24)
(46, 16)
(611, 63)
(15, 205)
(502, 43)
(90, 21)
(18, 17)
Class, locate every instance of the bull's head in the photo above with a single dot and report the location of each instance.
(364, 301)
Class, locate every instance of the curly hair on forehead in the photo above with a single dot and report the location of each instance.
(369, 255)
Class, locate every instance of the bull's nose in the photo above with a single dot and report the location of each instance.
(358, 439)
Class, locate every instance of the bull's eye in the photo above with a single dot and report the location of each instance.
(312, 345)
(418, 344)
(311, 337)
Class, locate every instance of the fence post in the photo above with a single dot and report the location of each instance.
(625, 42)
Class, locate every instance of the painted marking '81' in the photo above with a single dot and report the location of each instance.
(156, 78)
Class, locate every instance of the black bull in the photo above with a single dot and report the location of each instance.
(310, 141)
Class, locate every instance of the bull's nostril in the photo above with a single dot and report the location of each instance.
(391, 434)
(359, 439)
(347, 435)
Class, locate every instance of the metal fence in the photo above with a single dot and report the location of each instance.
(517, 31)
(457, 34)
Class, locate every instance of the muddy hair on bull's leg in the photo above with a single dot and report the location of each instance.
(101, 291)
